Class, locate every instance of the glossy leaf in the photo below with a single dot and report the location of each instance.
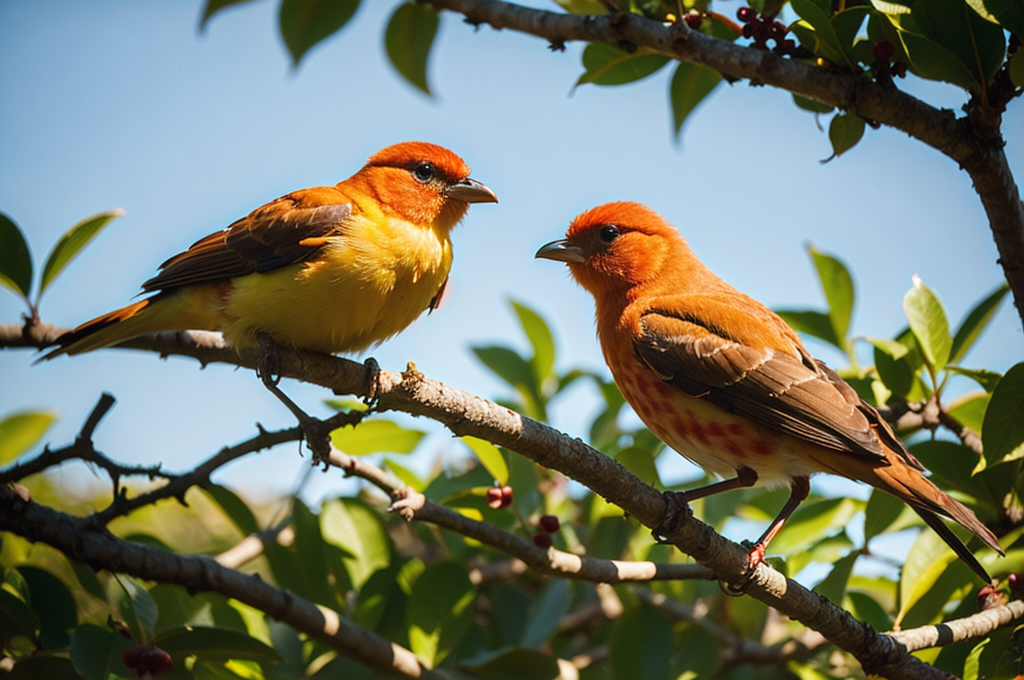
(640, 462)
(53, 603)
(1017, 69)
(376, 436)
(215, 6)
(512, 663)
(844, 132)
(847, 25)
(490, 457)
(971, 665)
(235, 508)
(812, 323)
(440, 611)
(641, 644)
(304, 23)
(607, 65)
(833, 586)
(928, 558)
(20, 432)
(214, 644)
(539, 334)
(96, 652)
(548, 609)
(691, 84)
(352, 526)
(16, 617)
(837, 284)
(812, 105)
(812, 521)
(508, 365)
(72, 242)
(928, 322)
(137, 608)
(970, 410)
(696, 653)
(1003, 429)
(407, 476)
(881, 511)
(310, 572)
(828, 43)
(15, 259)
(866, 608)
(987, 379)
(975, 322)
(1007, 13)
(407, 41)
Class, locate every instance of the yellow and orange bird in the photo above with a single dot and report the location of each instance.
(724, 381)
(329, 269)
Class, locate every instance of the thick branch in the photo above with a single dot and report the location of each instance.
(976, 625)
(973, 144)
(91, 544)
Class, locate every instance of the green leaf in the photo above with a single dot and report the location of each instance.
(440, 611)
(16, 618)
(846, 25)
(928, 322)
(214, 6)
(539, 335)
(1007, 13)
(975, 322)
(407, 476)
(218, 644)
(72, 242)
(828, 44)
(833, 586)
(987, 379)
(1003, 429)
(137, 608)
(639, 461)
(837, 284)
(490, 457)
(973, 660)
(882, 510)
(607, 65)
(641, 644)
(867, 609)
(310, 572)
(376, 436)
(96, 652)
(512, 663)
(1017, 69)
(811, 105)
(304, 23)
(691, 84)
(53, 602)
(812, 521)
(928, 558)
(844, 132)
(408, 39)
(21, 431)
(15, 259)
(352, 526)
(548, 609)
(970, 410)
(812, 323)
(895, 7)
(234, 507)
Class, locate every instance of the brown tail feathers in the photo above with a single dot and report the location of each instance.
(102, 331)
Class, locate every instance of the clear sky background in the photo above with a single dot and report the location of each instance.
(124, 104)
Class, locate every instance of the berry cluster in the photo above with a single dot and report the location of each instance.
(549, 524)
(499, 497)
(882, 51)
(146, 660)
(763, 29)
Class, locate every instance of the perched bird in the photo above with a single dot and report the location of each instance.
(724, 381)
(329, 269)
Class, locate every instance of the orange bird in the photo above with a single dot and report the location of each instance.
(724, 381)
(329, 269)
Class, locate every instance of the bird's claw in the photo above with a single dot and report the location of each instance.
(268, 367)
(373, 384)
(677, 513)
(755, 558)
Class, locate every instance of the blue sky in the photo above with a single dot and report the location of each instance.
(124, 104)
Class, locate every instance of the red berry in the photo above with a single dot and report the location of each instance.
(748, 30)
(694, 20)
(494, 499)
(157, 660)
(778, 31)
(883, 50)
(542, 539)
(132, 657)
(900, 69)
(550, 523)
(745, 14)
(506, 496)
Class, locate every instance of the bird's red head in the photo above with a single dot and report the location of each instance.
(617, 246)
(422, 183)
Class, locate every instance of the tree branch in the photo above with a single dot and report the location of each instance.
(947, 633)
(973, 142)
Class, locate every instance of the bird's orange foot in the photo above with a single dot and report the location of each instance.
(755, 556)
(677, 513)
(373, 385)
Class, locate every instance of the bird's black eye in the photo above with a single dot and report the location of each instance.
(424, 172)
(609, 233)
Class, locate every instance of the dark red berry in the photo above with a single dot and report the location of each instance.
(494, 499)
(778, 31)
(550, 523)
(694, 20)
(760, 30)
(158, 661)
(900, 69)
(506, 496)
(748, 30)
(745, 14)
(1016, 584)
(133, 657)
(542, 539)
(883, 51)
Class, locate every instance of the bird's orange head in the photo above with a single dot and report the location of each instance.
(617, 246)
(422, 183)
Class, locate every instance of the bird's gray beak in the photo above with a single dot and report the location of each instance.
(562, 251)
(471, 191)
